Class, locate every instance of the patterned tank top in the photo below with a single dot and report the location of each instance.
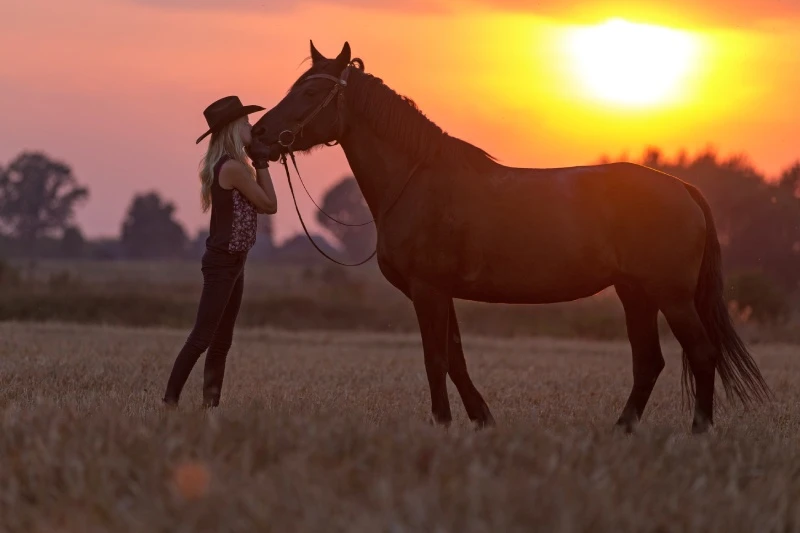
(234, 220)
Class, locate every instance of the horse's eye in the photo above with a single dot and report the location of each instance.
(310, 92)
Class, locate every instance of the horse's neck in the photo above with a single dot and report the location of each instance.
(376, 165)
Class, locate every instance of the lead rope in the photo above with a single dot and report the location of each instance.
(294, 162)
(289, 179)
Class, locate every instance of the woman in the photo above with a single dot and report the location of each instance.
(236, 193)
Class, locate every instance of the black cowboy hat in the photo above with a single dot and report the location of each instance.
(224, 111)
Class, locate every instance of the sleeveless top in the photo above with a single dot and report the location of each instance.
(234, 220)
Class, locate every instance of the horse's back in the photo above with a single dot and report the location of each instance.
(599, 224)
(544, 235)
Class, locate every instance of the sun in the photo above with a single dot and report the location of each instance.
(631, 64)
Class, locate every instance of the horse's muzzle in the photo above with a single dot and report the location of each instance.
(276, 151)
(271, 151)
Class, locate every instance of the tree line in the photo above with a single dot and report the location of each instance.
(758, 220)
(39, 196)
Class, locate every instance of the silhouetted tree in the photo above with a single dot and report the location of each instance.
(790, 180)
(297, 249)
(104, 249)
(345, 202)
(758, 221)
(197, 246)
(265, 241)
(38, 196)
(150, 229)
(73, 244)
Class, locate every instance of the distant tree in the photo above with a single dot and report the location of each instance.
(265, 241)
(790, 180)
(104, 249)
(299, 250)
(197, 246)
(753, 294)
(266, 230)
(758, 221)
(345, 202)
(38, 196)
(73, 244)
(150, 230)
(3, 229)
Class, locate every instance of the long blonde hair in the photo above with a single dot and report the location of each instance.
(226, 141)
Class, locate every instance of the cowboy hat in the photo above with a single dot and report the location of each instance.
(224, 111)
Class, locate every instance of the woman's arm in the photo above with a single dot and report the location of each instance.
(260, 191)
(264, 181)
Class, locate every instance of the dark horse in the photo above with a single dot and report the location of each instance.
(453, 223)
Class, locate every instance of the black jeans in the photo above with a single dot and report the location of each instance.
(223, 281)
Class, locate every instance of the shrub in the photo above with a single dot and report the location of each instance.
(755, 295)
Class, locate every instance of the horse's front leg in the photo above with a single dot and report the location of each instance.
(432, 307)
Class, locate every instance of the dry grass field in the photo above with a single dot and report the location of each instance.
(327, 432)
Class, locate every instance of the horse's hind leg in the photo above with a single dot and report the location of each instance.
(685, 323)
(641, 319)
(476, 407)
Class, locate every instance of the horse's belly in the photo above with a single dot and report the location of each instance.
(534, 287)
(541, 272)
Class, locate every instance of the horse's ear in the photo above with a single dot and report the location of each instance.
(343, 59)
(316, 57)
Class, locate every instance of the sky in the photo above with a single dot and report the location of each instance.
(116, 88)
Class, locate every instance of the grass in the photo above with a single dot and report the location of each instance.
(165, 294)
(158, 294)
(326, 431)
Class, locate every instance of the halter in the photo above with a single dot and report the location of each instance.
(338, 89)
(287, 138)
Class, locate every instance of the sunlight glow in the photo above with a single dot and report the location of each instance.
(631, 64)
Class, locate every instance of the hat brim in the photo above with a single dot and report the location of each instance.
(244, 111)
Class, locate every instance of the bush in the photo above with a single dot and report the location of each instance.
(757, 296)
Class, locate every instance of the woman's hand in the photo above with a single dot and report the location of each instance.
(258, 153)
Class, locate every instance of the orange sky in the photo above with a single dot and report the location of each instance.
(116, 88)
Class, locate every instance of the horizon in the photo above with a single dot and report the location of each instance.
(121, 101)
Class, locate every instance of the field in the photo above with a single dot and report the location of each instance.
(327, 431)
(302, 298)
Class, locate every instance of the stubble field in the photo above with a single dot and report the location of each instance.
(323, 431)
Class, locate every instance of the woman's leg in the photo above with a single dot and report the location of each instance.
(218, 283)
(214, 370)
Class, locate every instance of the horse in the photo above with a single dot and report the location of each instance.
(452, 222)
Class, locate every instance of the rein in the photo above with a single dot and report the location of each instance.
(289, 179)
(336, 91)
(302, 223)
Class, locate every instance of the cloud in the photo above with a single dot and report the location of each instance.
(713, 12)
(279, 6)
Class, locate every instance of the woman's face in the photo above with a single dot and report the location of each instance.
(244, 131)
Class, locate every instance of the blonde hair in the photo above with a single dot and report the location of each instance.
(226, 141)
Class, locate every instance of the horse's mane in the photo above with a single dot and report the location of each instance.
(397, 119)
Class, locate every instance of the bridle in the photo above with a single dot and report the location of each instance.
(287, 138)
(339, 85)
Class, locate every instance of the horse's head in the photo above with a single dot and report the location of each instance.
(312, 112)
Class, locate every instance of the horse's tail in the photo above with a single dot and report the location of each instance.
(738, 371)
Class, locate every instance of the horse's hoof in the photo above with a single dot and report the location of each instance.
(482, 424)
(486, 422)
(210, 404)
(627, 427)
(439, 422)
(701, 427)
(169, 405)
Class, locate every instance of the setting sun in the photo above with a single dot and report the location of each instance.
(631, 64)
